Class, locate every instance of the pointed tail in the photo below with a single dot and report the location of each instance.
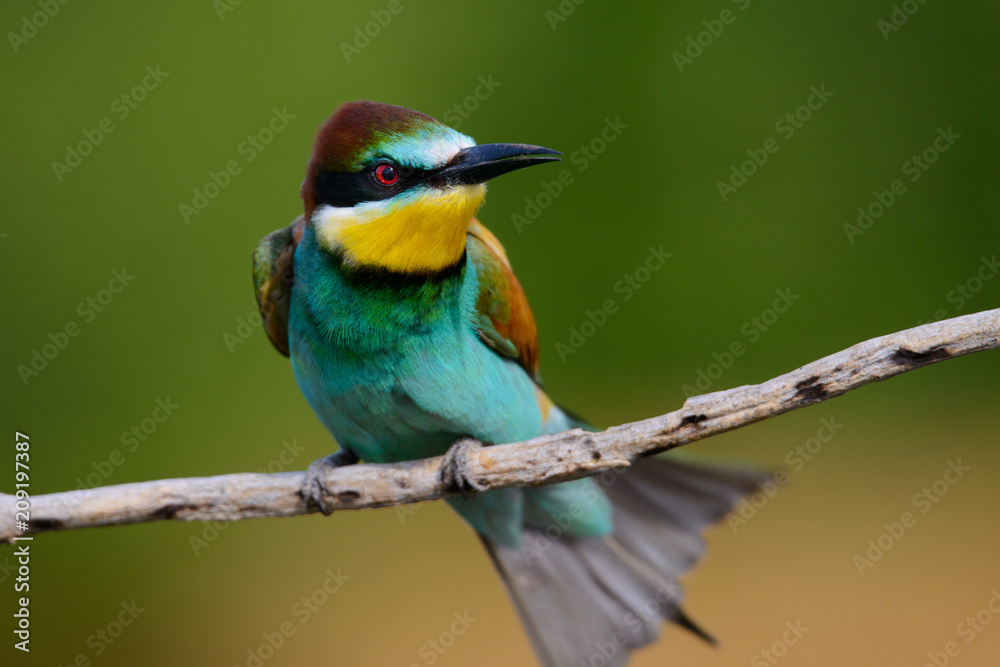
(590, 601)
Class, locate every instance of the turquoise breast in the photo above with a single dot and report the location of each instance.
(393, 366)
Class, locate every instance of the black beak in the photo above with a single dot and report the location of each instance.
(479, 164)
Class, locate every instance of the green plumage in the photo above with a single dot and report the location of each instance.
(395, 367)
(400, 366)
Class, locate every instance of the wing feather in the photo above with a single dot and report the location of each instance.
(273, 276)
(506, 322)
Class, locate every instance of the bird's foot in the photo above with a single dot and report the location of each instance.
(313, 489)
(455, 468)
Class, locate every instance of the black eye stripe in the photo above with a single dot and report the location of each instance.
(348, 189)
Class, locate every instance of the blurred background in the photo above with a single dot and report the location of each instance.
(148, 148)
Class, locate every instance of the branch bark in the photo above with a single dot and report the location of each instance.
(543, 460)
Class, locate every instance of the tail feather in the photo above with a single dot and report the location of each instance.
(684, 621)
(590, 600)
(661, 505)
(557, 600)
(568, 609)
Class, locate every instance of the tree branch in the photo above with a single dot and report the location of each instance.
(543, 460)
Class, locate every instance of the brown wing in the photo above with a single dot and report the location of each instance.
(273, 276)
(506, 323)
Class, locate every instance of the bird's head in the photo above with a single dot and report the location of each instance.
(393, 189)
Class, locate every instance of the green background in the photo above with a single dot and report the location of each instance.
(164, 336)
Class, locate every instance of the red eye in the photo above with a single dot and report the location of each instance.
(386, 174)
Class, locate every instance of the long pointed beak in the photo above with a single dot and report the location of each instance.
(479, 164)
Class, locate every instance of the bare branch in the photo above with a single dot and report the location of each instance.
(543, 460)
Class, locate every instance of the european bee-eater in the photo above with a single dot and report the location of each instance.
(408, 331)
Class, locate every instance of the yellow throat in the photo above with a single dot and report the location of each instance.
(420, 231)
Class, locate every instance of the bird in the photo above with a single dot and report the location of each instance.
(410, 337)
